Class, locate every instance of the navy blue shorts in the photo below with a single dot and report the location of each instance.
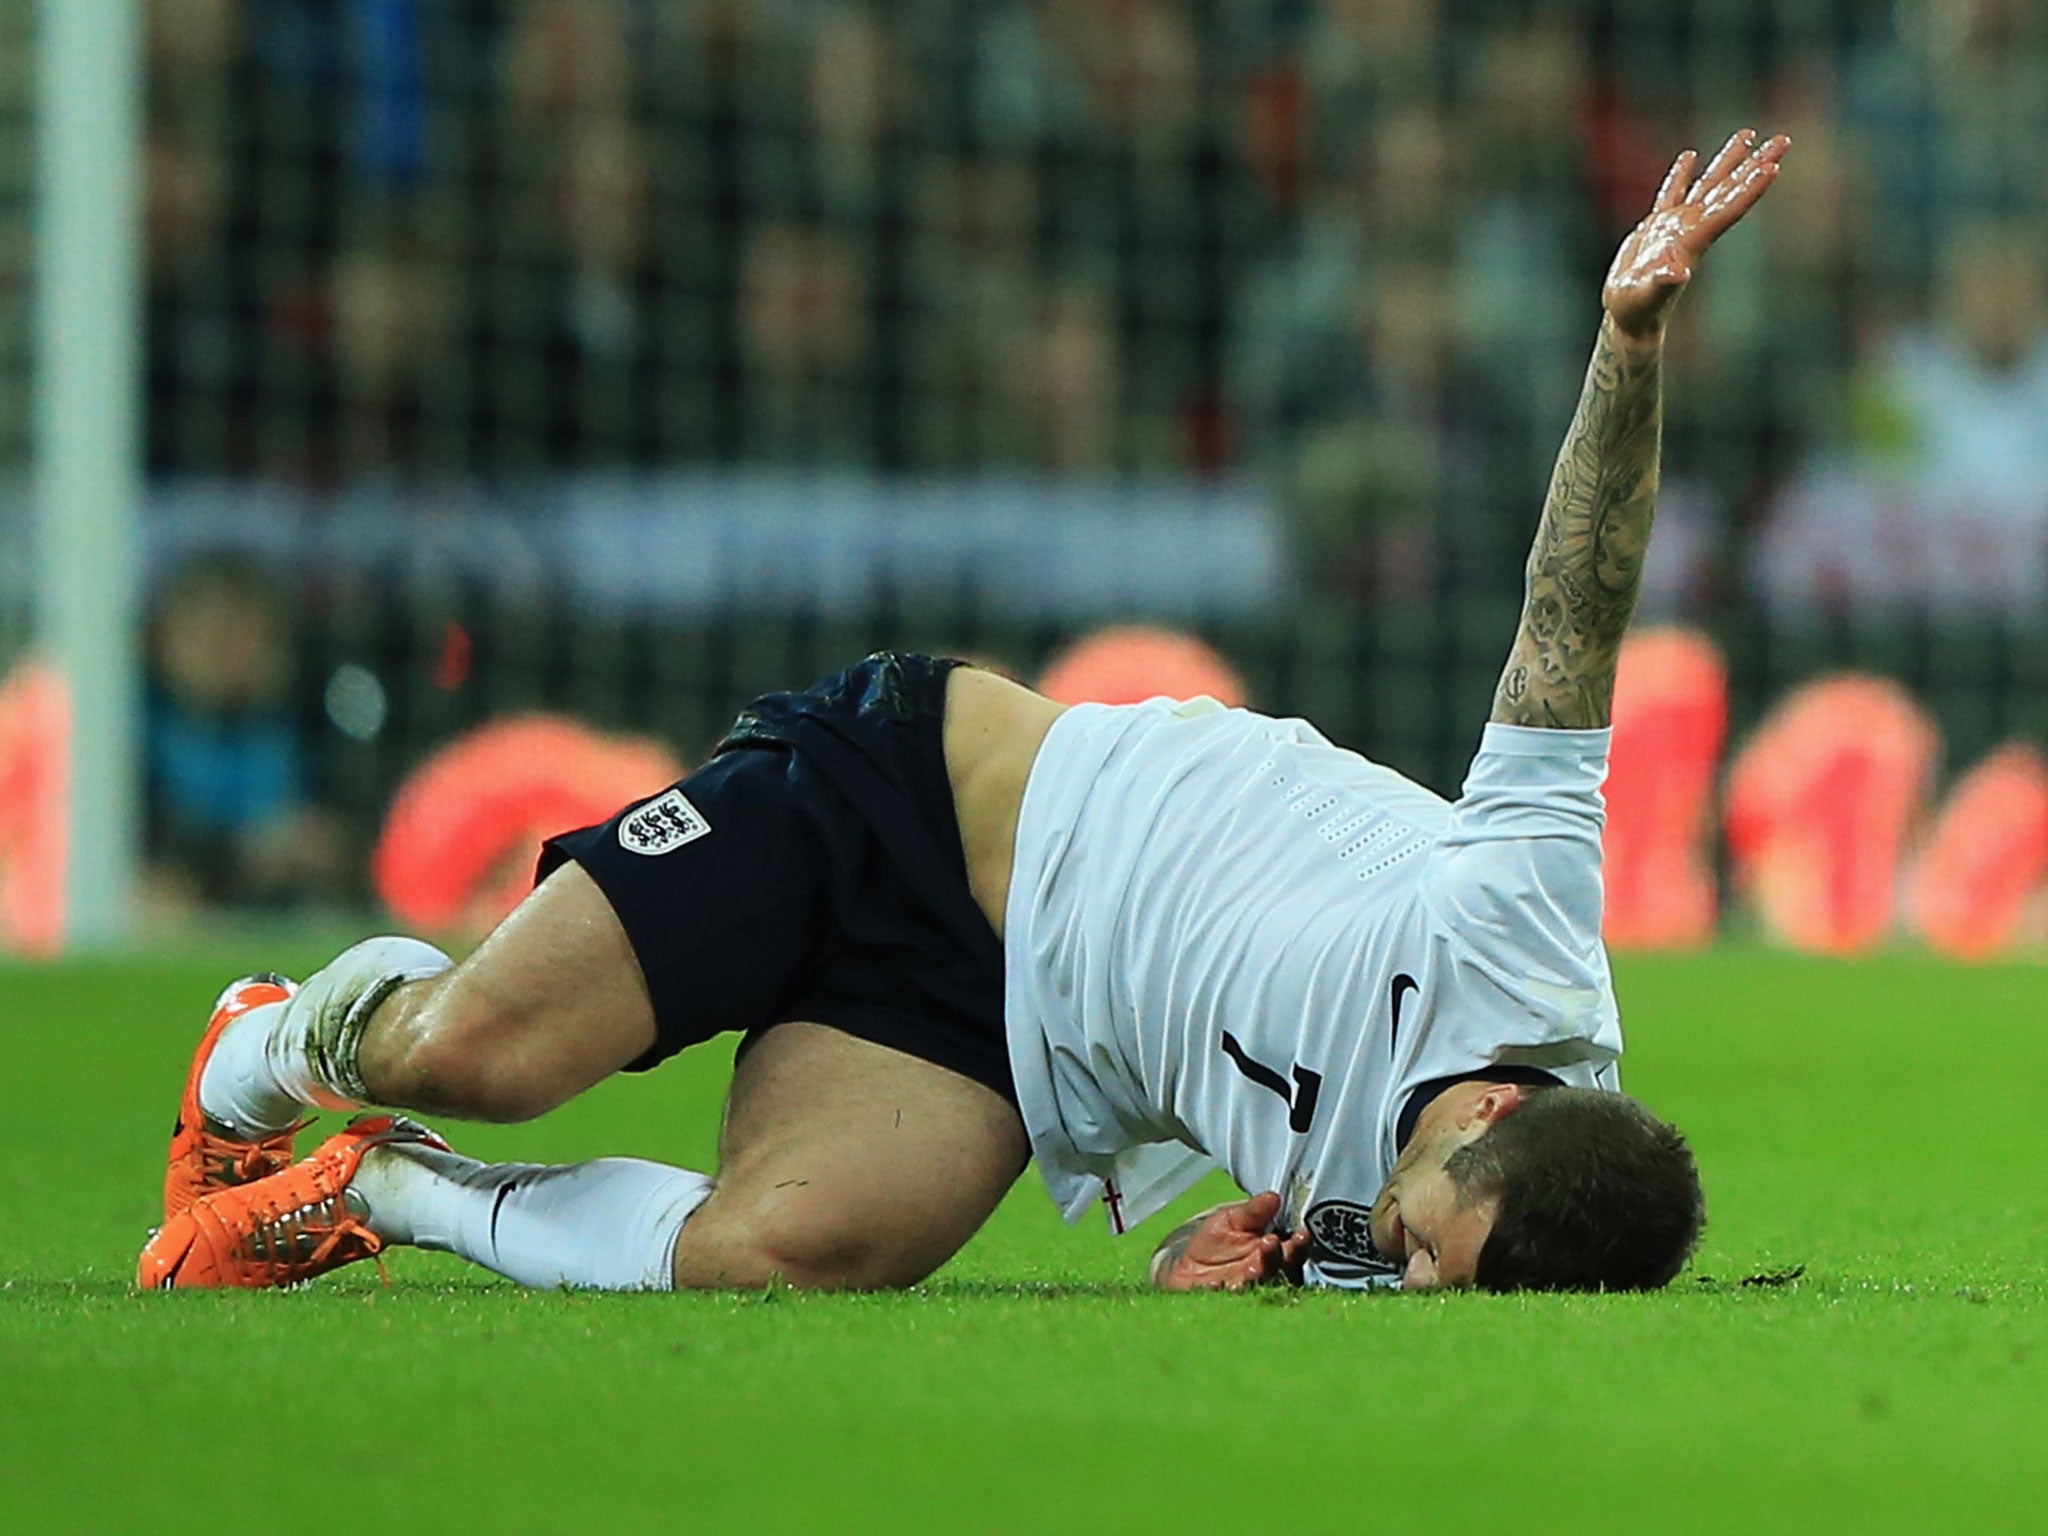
(812, 870)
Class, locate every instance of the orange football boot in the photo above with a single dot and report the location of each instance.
(203, 1157)
(282, 1230)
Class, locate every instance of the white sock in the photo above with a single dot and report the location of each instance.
(609, 1225)
(237, 1089)
(276, 1061)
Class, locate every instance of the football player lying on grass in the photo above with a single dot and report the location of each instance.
(960, 926)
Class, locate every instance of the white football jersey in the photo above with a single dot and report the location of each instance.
(1232, 943)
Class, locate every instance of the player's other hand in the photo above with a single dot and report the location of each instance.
(1232, 1249)
(1661, 254)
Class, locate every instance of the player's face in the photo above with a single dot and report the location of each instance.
(1420, 1223)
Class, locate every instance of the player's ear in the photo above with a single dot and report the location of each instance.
(1498, 1102)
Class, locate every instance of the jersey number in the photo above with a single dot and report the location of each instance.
(1300, 1099)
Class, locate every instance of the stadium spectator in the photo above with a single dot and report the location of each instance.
(567, 60)
(1068, 375)
(1340, 351)
(386, 312)
(191, 309)
(854, 84)
(1361, 57)
(1806, 293)
(232, 816)
(806, 328)
(1941, 501)
(1953, 104)
(970, 281)
(1525, 224)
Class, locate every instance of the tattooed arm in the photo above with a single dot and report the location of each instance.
(1588, 557)
(1587, 562)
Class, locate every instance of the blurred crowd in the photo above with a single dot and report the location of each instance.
(1350, 247)
(1345, 251)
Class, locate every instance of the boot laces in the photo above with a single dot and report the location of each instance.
(244, 1162)
(311, 1238)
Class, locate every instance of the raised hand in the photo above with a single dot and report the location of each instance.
(1228, 1249)
(1661, 254)
(1587, 562)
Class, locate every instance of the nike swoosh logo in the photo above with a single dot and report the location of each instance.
(1403, 985)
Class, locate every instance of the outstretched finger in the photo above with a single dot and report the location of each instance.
(1734, 198)
(1732, 154)
(1676, 180)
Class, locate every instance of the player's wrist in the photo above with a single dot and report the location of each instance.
(1164, 1258)
(1167, 1256)
(1637, 334)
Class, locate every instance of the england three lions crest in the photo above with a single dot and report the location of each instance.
(662, 825)
(1340, 1242)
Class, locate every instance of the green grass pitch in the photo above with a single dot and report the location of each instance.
(1881, 1123)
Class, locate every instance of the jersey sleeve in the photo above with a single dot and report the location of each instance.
(1514, 886)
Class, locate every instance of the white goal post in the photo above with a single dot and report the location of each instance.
(87, 441)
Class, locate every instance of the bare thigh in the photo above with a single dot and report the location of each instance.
(552, 1002)
(844, 1164)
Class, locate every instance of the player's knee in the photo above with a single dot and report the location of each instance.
(821, 1258)
(736, 1241)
